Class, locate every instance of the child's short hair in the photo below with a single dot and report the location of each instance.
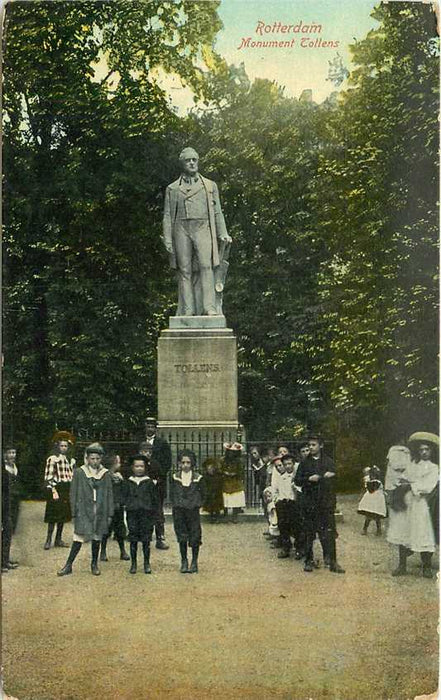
(110, 459)
(287, 456)
(138, 458)
(266, 451)
(303, 444)
(94, 448)
(187, 453)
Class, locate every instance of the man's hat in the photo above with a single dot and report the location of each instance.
(63, 436)
(425, 437)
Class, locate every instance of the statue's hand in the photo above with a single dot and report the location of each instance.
(168, 247)
(226, 238)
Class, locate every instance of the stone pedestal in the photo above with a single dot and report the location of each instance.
(197, 379)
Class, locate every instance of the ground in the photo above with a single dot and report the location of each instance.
(248, 625)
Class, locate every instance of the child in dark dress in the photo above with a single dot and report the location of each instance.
(213, 500)
(113, 464)
(187, 493)
(141, 499)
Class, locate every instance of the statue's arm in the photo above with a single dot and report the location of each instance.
(221, 229)
(167, 223)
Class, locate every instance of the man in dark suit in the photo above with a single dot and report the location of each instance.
(160, 459)
(192, 226)
(316, 476)
(8, 462)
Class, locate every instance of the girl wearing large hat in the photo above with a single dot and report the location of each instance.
(58, 478)
(233, 472)
(413, 500)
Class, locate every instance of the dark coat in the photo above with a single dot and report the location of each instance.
(213, 499)
(191, 496)
(117, 483)
(86, 522)
(140, 496)
(233, 475)
(161, 455)
(318, 495)
(6, 495)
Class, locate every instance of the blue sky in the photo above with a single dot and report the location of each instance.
(295, 68)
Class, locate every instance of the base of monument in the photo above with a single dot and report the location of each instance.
(197, 322)
(197, 378)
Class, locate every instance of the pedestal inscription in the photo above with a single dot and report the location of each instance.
(197, 378)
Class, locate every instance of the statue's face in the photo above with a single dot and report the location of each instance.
(190, 165)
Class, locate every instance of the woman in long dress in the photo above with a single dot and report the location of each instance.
(410, 489)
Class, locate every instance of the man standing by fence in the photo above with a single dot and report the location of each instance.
(161, 457)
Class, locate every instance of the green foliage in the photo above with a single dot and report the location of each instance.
(332, 288)
(375, 208)
(263, 148)
(89, 138)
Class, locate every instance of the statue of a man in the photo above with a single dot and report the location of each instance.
(192, 228)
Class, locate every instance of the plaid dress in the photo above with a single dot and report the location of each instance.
(58, 475)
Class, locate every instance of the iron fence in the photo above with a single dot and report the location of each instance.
(126, 444)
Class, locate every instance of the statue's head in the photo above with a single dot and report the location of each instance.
(189, 161)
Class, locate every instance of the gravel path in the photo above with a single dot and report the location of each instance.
(247, 626)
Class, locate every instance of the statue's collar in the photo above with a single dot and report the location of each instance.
(189, 179)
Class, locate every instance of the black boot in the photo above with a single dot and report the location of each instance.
(184, 560)
(58, 541)
(365, 526)
(50, 529)
(235, 516)
(402, 559)
(284, 554)
(194, 559)
(95, 547)
(378, 524)
(67, 568)
(133, 557)
(122, 552)
(146, 552)
(160, 536)
(333, 565)
(426, 558)
(103, 550)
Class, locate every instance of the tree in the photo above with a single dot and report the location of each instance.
(375, 209)
(89, 128)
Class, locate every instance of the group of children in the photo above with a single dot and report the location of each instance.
(99, 499)
(298, 499)
(297, 495)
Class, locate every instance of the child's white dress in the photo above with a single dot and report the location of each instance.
(373, 503)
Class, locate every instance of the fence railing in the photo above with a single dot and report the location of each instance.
(126, 445)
